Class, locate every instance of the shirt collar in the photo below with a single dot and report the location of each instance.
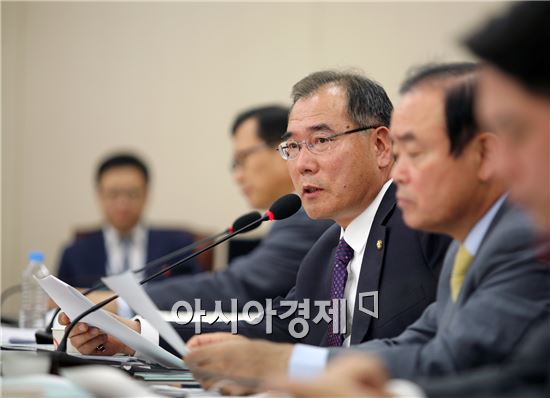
(137, 235)
(354, 234)
(477, 233)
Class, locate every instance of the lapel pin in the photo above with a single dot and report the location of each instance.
(379, 244)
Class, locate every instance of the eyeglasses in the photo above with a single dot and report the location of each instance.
(241, 157)
(316, 144)
(130, 194)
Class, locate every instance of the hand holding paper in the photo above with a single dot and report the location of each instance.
(73, 303)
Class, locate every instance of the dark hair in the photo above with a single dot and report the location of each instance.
(121, 160)
(367, 100)
(435, 72)
(272, 122)
(518, 43)
(458, 81)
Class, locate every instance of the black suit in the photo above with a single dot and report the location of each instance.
(84, 261)
(404, 272)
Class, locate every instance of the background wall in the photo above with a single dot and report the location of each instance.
(166, 79)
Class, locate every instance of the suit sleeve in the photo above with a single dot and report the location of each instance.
(268, 327)
(66, 270)
(525, 373)
(268, 271)
(509, 298)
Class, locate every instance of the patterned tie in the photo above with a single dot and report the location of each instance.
(344, 254)
(463, 259)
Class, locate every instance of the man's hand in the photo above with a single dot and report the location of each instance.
(238, 366)
(201, 340)
(87, 339)
(348, 376)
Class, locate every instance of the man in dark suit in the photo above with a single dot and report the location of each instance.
(125, 241)
(339, 157)
(270, 269)
(492, 289)
(514, 100)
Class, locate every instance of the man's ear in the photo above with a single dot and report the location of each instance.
(382, 146)
(489, 152)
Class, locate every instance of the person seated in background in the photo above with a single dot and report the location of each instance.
(270, 269)
(125, 241)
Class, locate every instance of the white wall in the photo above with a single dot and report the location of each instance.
(79, 79)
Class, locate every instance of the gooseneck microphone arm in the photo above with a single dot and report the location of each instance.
(282, 208)
(63, 343)
(45, 336)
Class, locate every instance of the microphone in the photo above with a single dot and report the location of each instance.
(246, 220)
(45, 336)
(282, 208)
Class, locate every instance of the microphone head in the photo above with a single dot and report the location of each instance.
(245, 220)
(284, 207)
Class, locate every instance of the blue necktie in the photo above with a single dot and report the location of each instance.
(344, 254)
(126, 244)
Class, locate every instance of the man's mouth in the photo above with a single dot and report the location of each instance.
(309, 190)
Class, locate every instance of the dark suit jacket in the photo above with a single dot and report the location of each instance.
(505, 291)
(84, 261)
(268, 271)
(404, 272)
(524, 374)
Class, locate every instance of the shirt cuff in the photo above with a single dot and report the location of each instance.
(399, 388)
(123, 309)
(307, 361)
(147, 331)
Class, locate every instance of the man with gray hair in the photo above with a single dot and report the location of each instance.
(492, 287)
(339, 156)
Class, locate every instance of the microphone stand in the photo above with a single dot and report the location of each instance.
(62, 347)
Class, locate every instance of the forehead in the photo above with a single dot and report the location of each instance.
(326, 107)
(246, 134)
(122, 176)
(419, 115)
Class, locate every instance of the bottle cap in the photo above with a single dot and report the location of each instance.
(36, 256)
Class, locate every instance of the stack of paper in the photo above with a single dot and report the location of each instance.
(73, 303)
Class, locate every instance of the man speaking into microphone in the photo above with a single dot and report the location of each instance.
(270, 269)
(338, 152)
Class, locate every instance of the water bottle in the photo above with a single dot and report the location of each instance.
(34, 300)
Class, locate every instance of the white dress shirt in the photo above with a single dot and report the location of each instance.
(114, 246)
(137, 256)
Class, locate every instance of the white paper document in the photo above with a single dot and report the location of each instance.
(126, 286)
(73, 303)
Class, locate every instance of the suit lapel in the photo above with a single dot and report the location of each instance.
(98, 265)
(469, 284)
(371, 267)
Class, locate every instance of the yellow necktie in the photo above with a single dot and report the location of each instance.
(463, 259)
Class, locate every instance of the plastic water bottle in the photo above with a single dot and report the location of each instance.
(34, 300)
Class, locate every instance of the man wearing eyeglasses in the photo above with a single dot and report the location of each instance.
(493, 288)
(339, 156)
(124, 242)
(371, 269)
